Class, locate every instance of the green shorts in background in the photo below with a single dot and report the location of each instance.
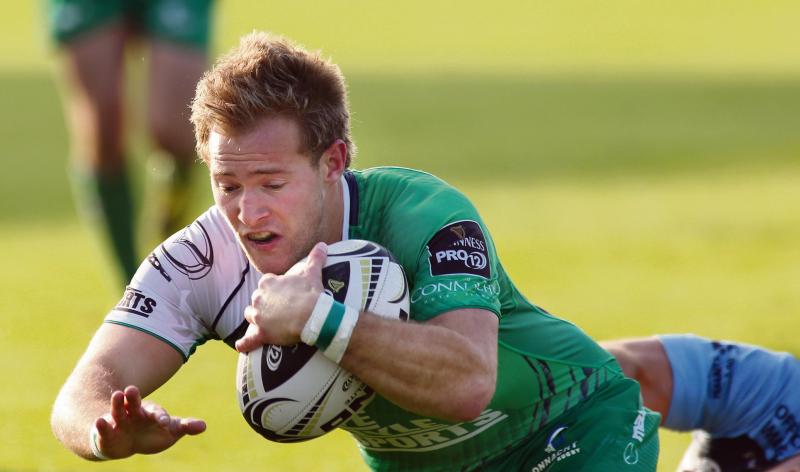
(180, 21)
(610, 432)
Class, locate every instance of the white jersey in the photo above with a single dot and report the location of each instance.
(195, 286)
(192, 288)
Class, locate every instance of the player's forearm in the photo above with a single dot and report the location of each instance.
(427, 369)
(76, 408)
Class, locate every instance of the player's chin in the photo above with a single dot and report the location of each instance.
(269, 264)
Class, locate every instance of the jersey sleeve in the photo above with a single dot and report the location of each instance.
(455, 269)
(169, 296)
(448, 254)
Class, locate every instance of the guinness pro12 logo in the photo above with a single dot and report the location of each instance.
(459, 248)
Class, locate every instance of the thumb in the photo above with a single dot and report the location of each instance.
(316, 259)
(251, 339)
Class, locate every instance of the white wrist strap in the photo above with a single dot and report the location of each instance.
(330, 327)
(93, 436)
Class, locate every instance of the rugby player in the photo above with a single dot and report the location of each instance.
(480, 379)
(739, 399)
(93, 36)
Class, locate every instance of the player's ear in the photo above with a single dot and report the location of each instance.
(332, 161)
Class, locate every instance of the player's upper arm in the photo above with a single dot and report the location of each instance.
(119, 356)
(478, 325)
(480, 328)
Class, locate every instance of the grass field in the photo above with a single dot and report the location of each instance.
(640, 172)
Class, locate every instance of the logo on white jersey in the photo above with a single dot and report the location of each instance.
(153, 260)
(191, 252)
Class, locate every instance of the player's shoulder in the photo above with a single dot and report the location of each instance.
(207, 247)
(398, 176)
(405, 189)
(191, 287)
(413, 213)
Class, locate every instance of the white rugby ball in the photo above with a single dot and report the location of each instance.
(295, 393)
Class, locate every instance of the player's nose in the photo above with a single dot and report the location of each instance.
(252, 209)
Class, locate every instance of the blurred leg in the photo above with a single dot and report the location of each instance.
(645, 361)
(93, 78)
(174, 72)
(93, 70)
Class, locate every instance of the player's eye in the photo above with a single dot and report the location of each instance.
(226, 188)
(275, 185)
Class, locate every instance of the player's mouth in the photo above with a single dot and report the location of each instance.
(262, 239)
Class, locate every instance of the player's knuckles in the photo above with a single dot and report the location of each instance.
(260, 298)
(153, 409)
(184, 425)
(266, 280)
(250, 314)
(175, 426)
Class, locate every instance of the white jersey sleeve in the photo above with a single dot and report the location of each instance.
(192, 288)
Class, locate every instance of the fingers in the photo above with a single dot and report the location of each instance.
(103, 427)
(281, 303)
(181, 426)
(311, 264)
(118, 412)
(175, 425)
(133, 399)
(251, 339)
(126, 407)
(192, 426)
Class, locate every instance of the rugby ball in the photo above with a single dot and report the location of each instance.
(295, 393)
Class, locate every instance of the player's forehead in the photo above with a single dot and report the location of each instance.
(266, 140)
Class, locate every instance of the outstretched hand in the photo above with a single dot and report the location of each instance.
(281, 304)
(134, 426)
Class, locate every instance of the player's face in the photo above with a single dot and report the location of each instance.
(276, 200)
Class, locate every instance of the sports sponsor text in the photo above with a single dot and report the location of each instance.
(444, 289)
(136, 302)
(558, 455)
(418, 435)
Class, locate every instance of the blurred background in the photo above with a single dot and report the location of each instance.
(637, 162)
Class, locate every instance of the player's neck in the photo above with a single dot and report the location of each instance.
(334, 214)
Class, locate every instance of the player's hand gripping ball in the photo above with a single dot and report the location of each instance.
(295, 393)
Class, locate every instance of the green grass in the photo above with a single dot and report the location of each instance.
(637, 163)
(581, 36)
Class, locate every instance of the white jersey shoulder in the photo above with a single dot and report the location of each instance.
(191, 288)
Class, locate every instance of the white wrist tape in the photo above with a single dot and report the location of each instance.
(330, 327)
(93, 436)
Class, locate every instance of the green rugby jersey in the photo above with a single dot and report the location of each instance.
(545, 365)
